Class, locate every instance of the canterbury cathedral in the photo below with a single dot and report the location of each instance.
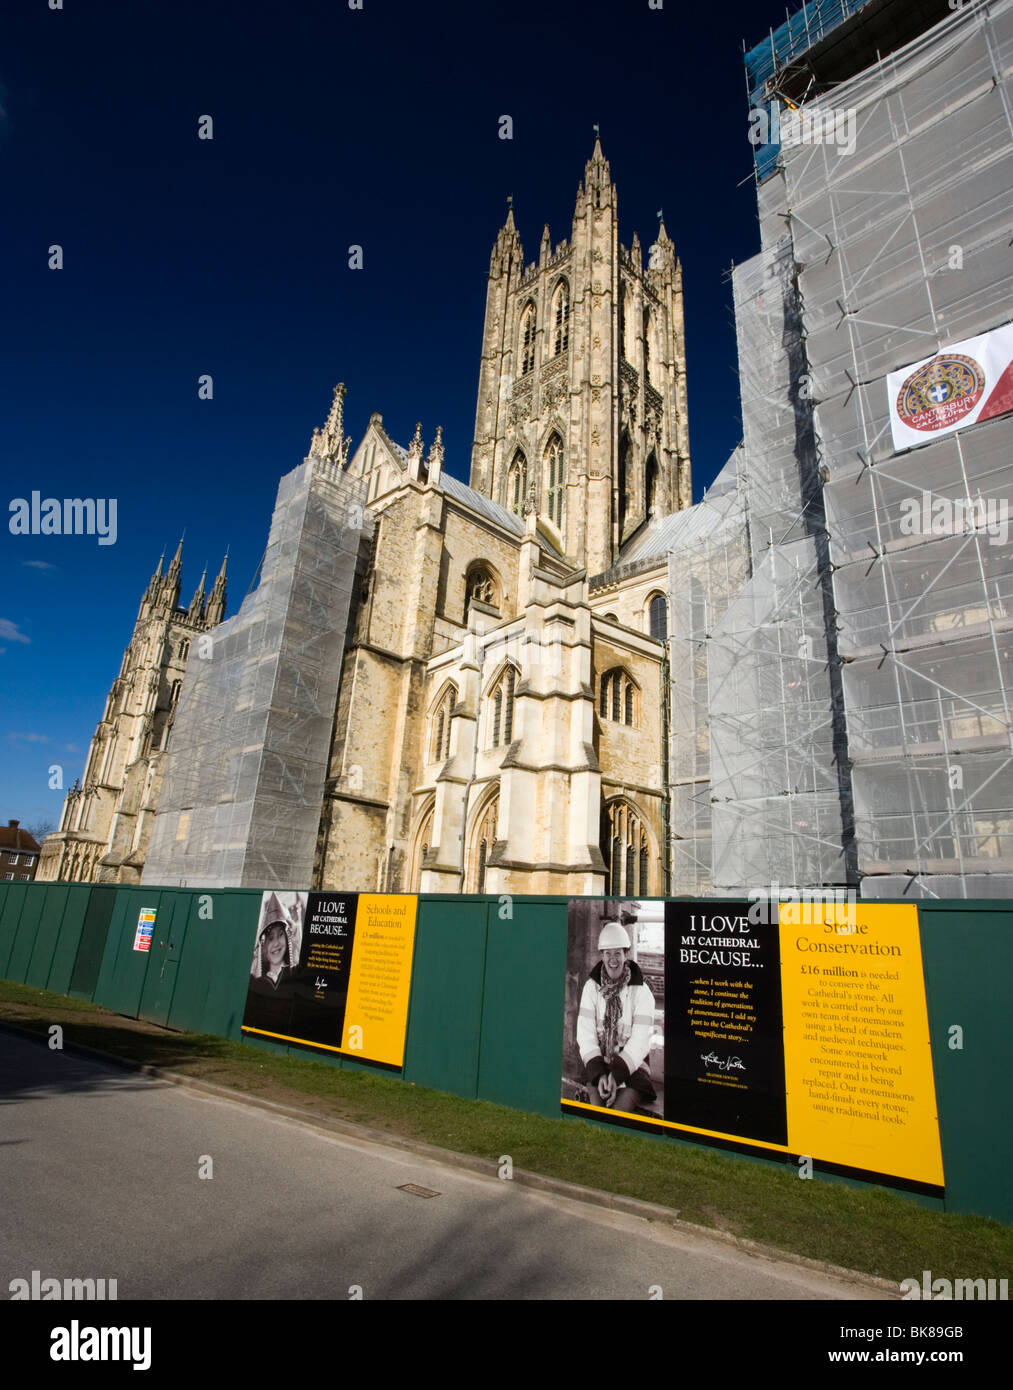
(436, 687)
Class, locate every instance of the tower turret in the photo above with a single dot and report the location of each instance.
(215, 610)
(196, 610)
(170, 586)
(331, 442)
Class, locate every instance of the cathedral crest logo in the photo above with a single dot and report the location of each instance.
(941, 393)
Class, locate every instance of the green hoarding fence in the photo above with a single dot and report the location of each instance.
(522, 1014)
(444, 1035)
(967, 954)
(91, 944)
(67, 942)
(10, 917)
(485, 1015)
(212, 939)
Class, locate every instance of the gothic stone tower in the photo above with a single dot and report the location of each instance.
(582, 387)
(106, 822)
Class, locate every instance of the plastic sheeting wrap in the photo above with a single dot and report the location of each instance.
(706, 570)
(774, 781)
(841, 703)
(245, 769)
(776, 813)
(902, 248)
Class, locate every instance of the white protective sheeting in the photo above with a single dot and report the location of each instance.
(245, 769)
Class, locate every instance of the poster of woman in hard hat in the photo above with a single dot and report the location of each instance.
(613, 1046)
(673, 1018)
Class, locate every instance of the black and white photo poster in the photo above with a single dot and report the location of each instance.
(332, 971)
(672, 1018)
(614, 1015)
(301, 966)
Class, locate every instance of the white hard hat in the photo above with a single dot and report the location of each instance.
(613, 935)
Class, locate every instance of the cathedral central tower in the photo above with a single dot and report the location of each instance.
(582, 388)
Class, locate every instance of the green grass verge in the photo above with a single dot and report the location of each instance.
(867, 1229)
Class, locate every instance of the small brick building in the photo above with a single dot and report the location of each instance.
(19, 853)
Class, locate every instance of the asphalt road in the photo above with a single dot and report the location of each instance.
(100, 1179)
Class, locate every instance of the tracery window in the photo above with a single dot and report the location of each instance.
(516, 482)
(561, 318)
(480, 586)
(527, 339)
(501, 710)
(618, 700)
(482, 844)
(651, 486)
(626, 851)
(440, 726)
(553, 470)
(423, 839)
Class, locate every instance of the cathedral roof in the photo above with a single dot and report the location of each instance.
(684, 528)
(485, 506)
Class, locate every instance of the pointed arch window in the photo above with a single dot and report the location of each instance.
(553, 471)
(482, 845)
(480, 586)
(423, 841)
(618, 697)
(622, 480)
(184, 649)
(626, 851)
(174, 692)
(501, 710)
(517, 479)
(439, 745)
(651, 486)
(527, 338)
(657, 617)
(561, 318)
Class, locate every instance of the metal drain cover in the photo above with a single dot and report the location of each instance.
(417, 1191)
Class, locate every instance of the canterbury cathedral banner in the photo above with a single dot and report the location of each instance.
(795, 1028)
(961, 385)
(332, 971)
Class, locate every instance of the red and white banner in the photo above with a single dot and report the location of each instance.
(961, 385)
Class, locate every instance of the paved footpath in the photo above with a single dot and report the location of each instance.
(100, 1179)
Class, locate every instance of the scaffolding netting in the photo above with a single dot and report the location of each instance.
(246, 765)
(903, 248)
(707, 568)
(840, 681)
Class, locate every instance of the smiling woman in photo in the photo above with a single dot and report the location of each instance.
(615, 1023)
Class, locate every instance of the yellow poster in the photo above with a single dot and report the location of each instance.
(858, 1066)
(376, 1012)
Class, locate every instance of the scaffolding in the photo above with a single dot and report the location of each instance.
(777, 800)
(902, 248)
(245, 769)
(842, 716)
(767, 61)
(708, 565)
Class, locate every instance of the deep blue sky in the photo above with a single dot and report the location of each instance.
(331, 127)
